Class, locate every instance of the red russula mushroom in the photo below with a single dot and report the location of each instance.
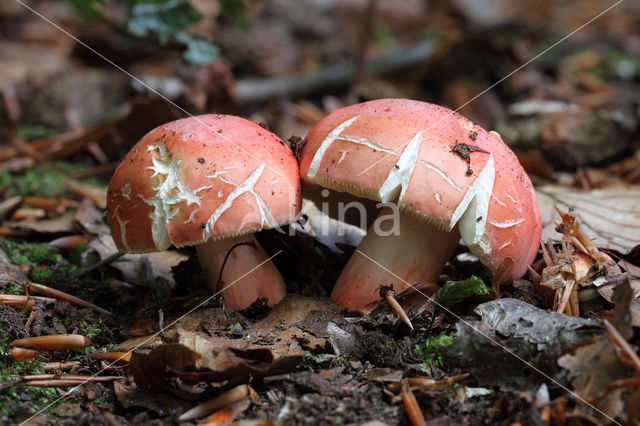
(211, 181)
(449, 177)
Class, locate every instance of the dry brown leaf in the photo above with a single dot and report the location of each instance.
(608, 216)
(59, 225)
(132, 265)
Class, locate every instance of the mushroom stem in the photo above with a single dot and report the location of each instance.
(248, 274)
(415, 252)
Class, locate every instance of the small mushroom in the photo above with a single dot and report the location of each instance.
(448, 177)
(210, 181)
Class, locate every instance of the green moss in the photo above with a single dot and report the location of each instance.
(428, 350)
(33, 133)
(48, 266)
(14, 396)
(45, 180)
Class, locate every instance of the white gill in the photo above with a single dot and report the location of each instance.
(398, 177)
(471, 213)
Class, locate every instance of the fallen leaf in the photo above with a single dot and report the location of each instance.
(609, 216)
(132, 265)
(58, 225)
(161, 403)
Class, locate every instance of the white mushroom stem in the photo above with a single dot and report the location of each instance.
(415, 253)
(248, 274)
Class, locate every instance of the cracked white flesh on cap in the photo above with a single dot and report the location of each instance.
(206, 177)
(432, 182)
(169, 194)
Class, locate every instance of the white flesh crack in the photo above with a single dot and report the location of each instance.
(170, 192)
(366, 142)
(442, 174)
(123, 229)
(246, 186)
(326, 143)
(507, 223)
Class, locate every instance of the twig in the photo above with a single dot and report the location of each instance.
(121, 358)
(102, 263)
(20, 300)
(61, 295)
(619, 340)
(229, 397)
(418, 382)
(363, 41)
(97, 195)
(248, 91)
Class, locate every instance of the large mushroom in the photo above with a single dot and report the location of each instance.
(448, 177)
(211, 181)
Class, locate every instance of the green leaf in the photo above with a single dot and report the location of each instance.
(164, 18)
(456, 291)
(198, 51)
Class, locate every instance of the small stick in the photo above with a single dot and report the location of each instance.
(622, 344)
(566, 293)
(116, 357)
(63, 383)
(102, 263)
(573, 301)
(49, 366)
(61, 295)
(546, 255)
(229, 397)
(92, 171)
(20, 300)
(54, 342)
(418, 382)
(73, 377)
(411, 406)
(32, 315)
(366, 29)
(96, 195)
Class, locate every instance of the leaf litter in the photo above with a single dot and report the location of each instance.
(575, 316)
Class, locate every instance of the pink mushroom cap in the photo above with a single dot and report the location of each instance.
(201, 178)
(409, 151)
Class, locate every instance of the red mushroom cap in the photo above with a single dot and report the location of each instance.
(418, 153)
(200, 178)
